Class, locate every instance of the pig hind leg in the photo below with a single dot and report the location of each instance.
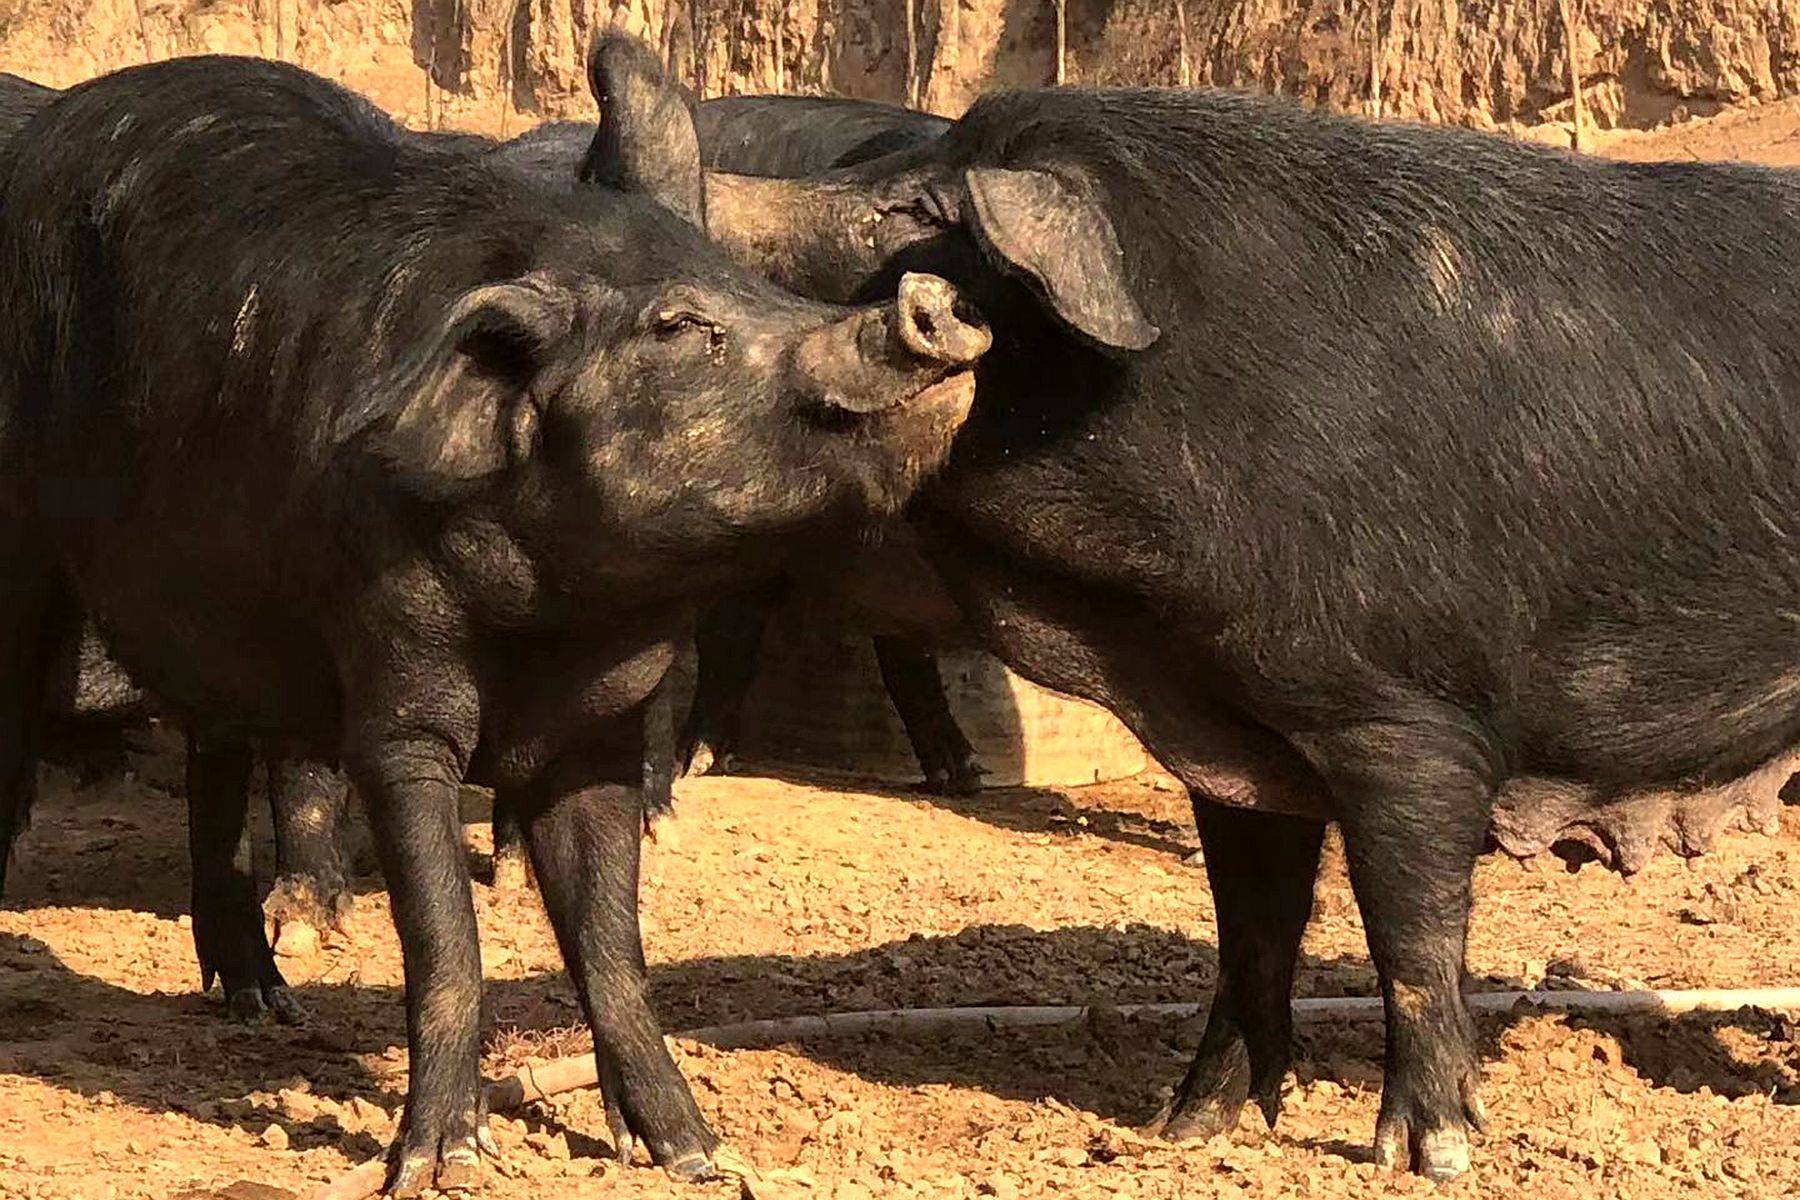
(1413, 798)
(33, 616)
(917, 690)
(1261, 867)
(728, 646)
(228, 921)
(309, 803)
(512, 863)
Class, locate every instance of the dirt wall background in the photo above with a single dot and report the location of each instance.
(498, 64)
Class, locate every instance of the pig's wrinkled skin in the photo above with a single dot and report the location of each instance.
(379, 446)
(1361, 470)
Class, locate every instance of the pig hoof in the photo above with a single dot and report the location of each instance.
(1195, 1120)
(966, 780)
(1443, 1154)
(939, 783)
(700, 761)
(1210, 1099)
(256, 1002)
(412, 1176)
(692, 1168)
(1439, 1155)
(460, 1169)
(246, 1005)
(511, 872)
(950, 776)
(287, 1010)
(456, 1168)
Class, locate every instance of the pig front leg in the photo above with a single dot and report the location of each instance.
(584, 849)
(1261, 867)
(1413, 799)
(409, 782)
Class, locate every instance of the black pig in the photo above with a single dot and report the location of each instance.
(783, 136)
(1361, 469)
(379, 446)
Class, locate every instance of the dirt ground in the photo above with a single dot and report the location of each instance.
(771, 898)
(1767, 134)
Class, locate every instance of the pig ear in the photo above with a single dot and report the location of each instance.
(1034, 223)
(459, 411)
(645, 142)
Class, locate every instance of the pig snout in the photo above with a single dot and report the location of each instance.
(929, 323)
(882, 357)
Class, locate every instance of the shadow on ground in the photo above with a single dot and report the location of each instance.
(178, 1052)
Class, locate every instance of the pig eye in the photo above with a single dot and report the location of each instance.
(925, 209)
(673, 323)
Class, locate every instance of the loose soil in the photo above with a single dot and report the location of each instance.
(772, 898)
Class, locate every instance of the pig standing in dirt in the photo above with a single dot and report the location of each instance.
(92, 699)
(1365, 471)
(374, 445)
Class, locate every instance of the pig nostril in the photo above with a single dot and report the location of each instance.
(935, 324)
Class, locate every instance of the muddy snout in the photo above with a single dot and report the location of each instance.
(882, 357)
(934, 323)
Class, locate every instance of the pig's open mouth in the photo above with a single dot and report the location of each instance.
(950, 396)
(944, 403)
(911, 439)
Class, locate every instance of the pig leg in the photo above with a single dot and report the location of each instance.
(728, 644)
(584, 848)
(510, 861)
(1261, 867)
(31, 621)
(917, 690)
(409, 787)
(228, 926)
(659, 758)
(309, 803)
(1413, 801)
